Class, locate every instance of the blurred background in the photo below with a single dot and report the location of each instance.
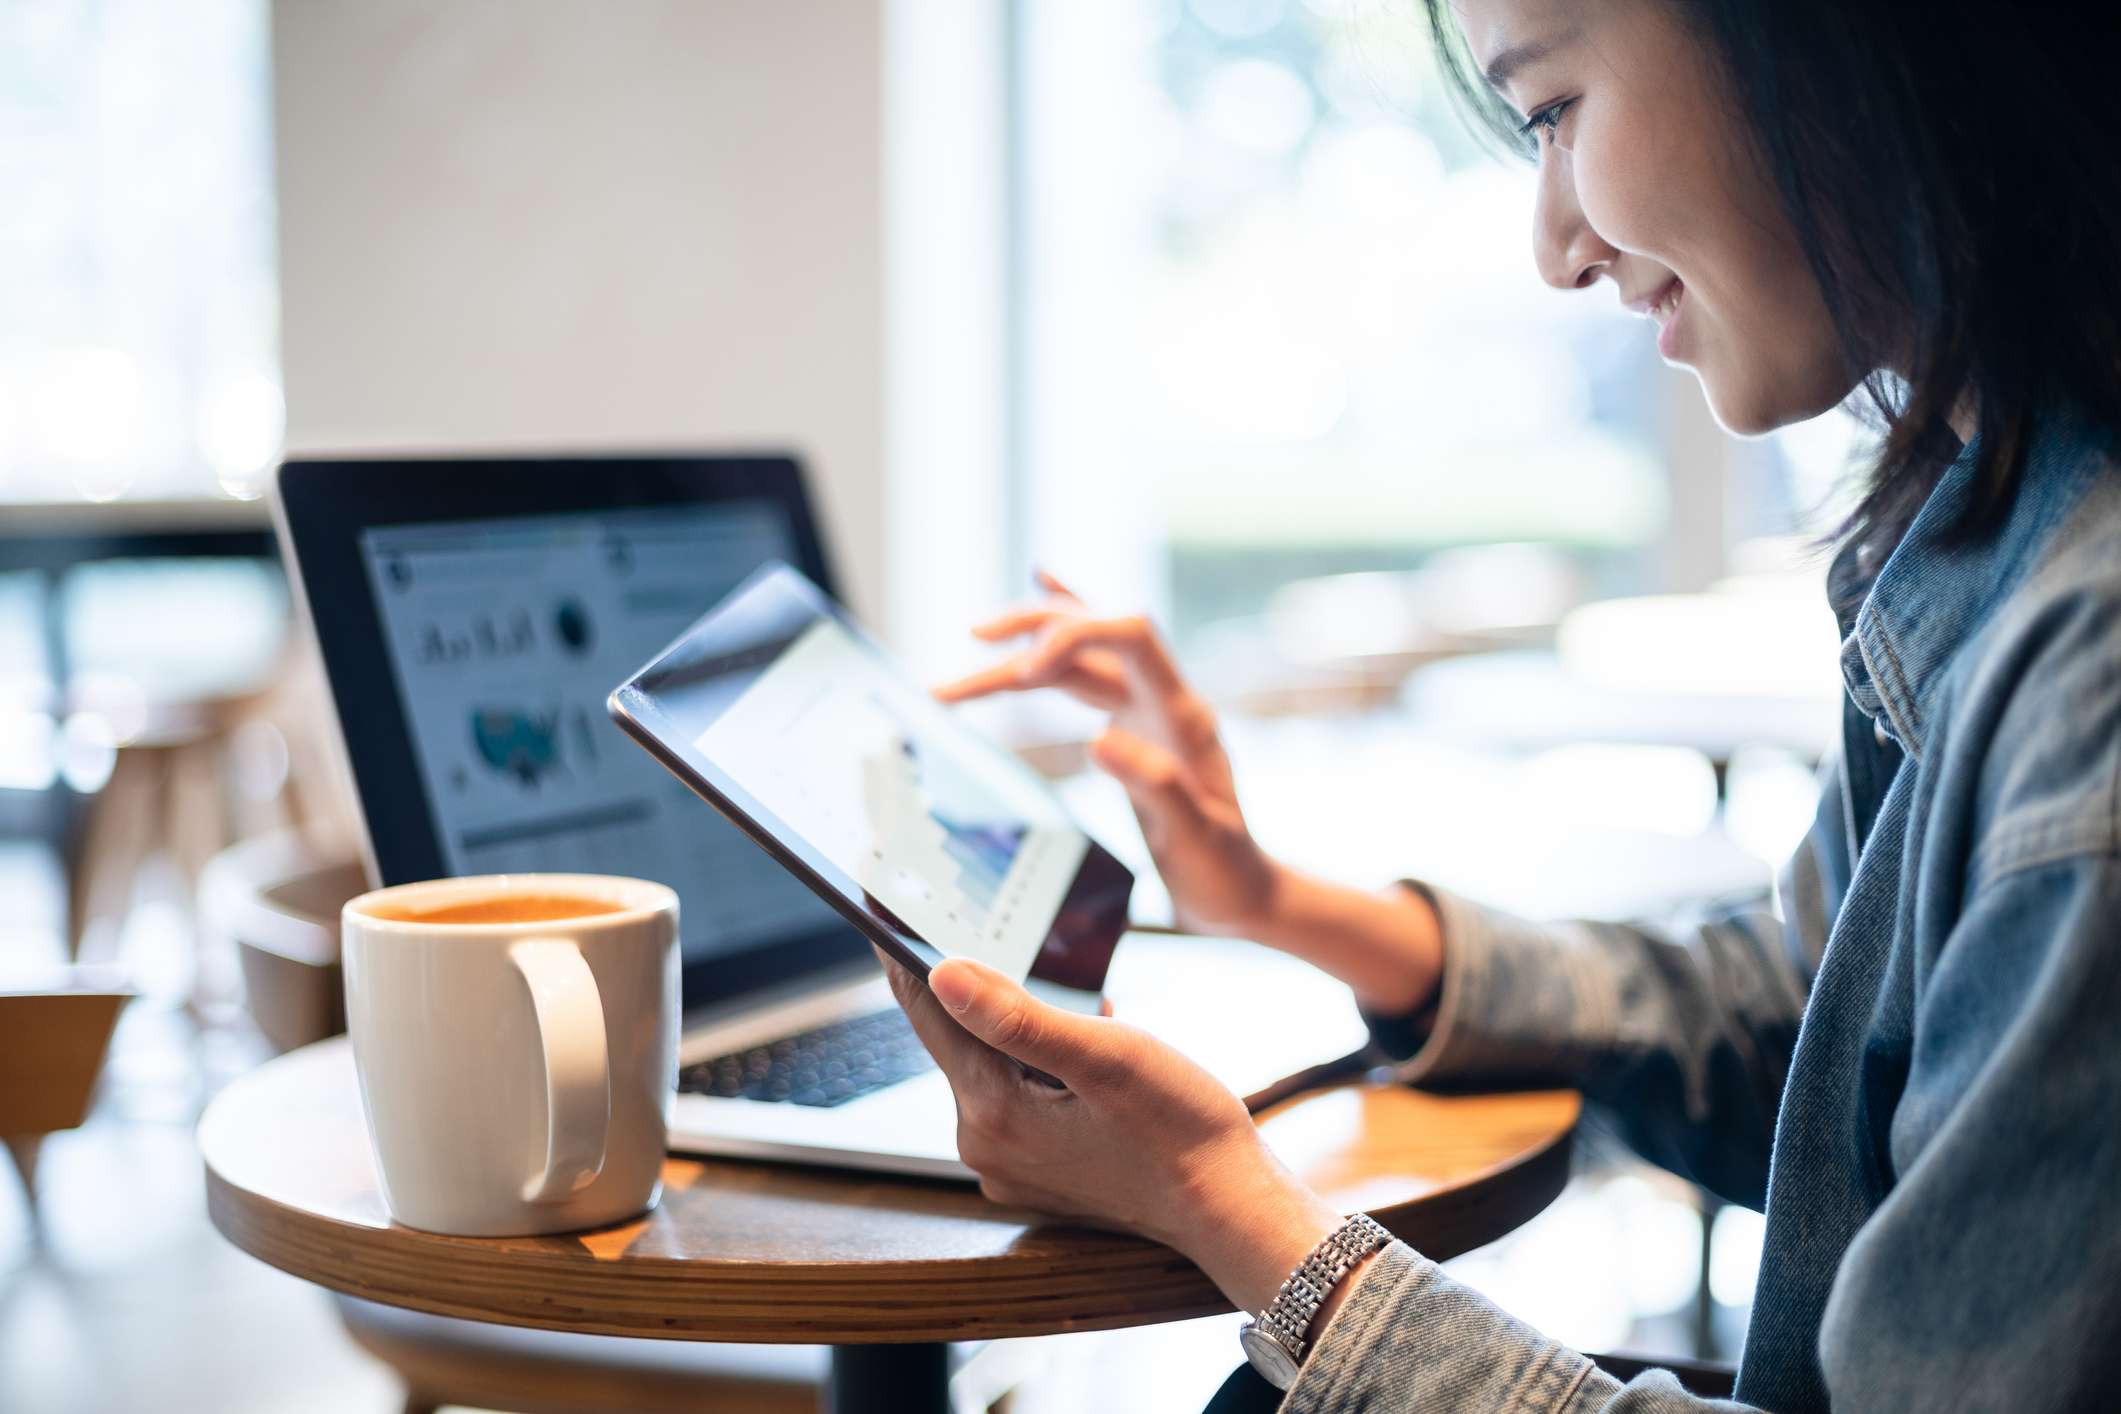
(1212, 307)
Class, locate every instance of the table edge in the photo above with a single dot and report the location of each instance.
(1133, 1282)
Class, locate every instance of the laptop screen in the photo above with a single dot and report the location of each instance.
(504, 636)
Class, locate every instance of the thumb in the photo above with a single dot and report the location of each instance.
(1079, 1051)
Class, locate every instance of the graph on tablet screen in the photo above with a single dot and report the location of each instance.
(975, 857)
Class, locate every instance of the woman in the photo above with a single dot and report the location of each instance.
(1914, 1063)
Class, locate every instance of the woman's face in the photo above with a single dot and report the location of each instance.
(1647, 176)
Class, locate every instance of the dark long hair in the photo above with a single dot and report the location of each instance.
(1953, 170)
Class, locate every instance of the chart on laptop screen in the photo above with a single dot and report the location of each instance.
(504, 637)
(968, 849)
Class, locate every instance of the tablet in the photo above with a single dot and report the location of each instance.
(932, 840)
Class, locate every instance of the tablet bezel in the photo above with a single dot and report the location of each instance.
(323, 505)
(1097, 896)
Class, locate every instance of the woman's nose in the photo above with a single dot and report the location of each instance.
(1570, 255)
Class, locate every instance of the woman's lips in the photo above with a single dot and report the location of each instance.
(1665, 311)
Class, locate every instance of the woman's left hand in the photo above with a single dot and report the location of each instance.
(1141, 1139)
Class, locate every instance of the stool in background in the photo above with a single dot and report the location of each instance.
(189, 778)
(167, 794)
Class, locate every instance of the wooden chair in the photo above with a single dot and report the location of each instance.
(53, 1036)
(277, 899)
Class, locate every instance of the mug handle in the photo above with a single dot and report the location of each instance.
(570, 1015)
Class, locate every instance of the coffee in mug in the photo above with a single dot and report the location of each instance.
(516, 1040)
(500, 908)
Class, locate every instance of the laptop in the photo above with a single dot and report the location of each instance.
(473, 612)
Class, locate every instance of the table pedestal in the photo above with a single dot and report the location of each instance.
(890, 1379)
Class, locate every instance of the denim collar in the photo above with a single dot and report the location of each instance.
(1935, 591)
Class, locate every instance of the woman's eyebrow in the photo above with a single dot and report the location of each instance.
(1505, 65)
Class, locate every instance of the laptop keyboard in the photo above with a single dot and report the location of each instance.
(825, 1067)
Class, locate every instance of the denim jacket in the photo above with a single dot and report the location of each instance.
(1912, 1061)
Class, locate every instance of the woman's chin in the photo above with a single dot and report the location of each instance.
(1754, 411)
(1752, 406)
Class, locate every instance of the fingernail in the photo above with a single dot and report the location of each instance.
(951, 987)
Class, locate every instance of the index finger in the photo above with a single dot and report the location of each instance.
(1015, 623)
(1002, 677)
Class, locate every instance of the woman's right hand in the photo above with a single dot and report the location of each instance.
(1161, 745)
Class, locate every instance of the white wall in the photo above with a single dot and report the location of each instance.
(568, 222)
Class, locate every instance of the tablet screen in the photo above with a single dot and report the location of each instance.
(922, 822)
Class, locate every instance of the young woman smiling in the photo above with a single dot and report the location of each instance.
(1913, 1061)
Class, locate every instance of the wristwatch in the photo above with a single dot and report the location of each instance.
(1274, 1341)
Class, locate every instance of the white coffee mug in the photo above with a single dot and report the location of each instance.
(517, 1074)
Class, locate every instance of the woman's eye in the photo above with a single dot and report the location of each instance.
(1545, 124)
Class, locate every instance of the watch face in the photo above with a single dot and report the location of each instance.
(1268, 1356)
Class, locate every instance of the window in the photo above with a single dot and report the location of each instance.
(1281, 310)
(1278, 321)
(139, 355)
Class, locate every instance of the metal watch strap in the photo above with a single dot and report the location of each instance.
(1287, 1319)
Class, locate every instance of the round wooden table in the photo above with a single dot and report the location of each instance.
(884, 1269)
